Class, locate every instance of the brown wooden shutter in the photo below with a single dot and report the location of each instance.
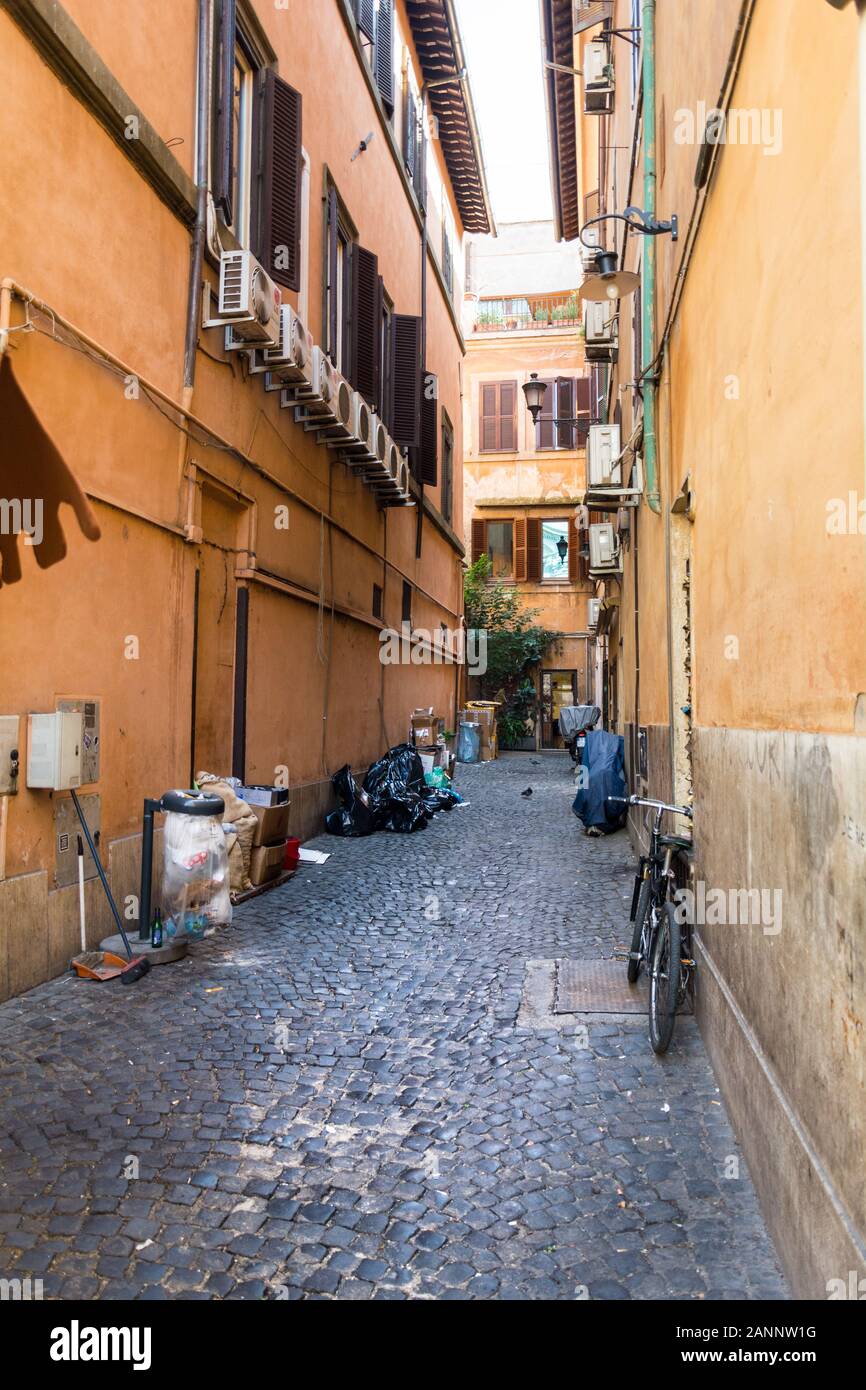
(544, 428)
(384, 57)
(520, 548)
(366, 323)
(429, 461)
(489, 431)
(565, 411)
(406, 379)
(573, 551)
(533, 549)
(365, 11)
(583, 408)
(507, 415)
(280, 242)
(225, 81)
(479, 538)
(333, 237)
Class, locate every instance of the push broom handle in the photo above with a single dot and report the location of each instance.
(81, 894)
(99, 869)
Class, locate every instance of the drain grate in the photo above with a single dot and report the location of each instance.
(601, 987)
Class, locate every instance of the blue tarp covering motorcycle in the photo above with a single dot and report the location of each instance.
(603, 775)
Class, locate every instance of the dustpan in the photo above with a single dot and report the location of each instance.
(99, 965)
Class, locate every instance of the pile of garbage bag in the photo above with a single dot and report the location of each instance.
(395, 795)
(603, 772)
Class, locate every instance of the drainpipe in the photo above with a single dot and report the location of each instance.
(200, 229)
(861, 54)
(648, 270)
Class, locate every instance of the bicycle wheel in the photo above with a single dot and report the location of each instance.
(640, 916)
(664, 980)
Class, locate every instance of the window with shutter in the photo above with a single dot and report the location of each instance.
(520, 548)
(507, 415)
(365, 13)
(544, 430)
(479, 538)
(447, 261)
(429, 461)
(565, 412)
(573, 551)
(498, 424)
(386, 310)
(420, 179)
(446, 491)
(383, 60)
(406, 379)
(533, 549)
(280, 239)
(366, 323)
(583, 408)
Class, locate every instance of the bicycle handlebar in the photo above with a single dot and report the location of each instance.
(648, 801)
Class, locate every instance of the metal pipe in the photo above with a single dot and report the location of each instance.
(99, 869)
(150, 809)
(648, 269)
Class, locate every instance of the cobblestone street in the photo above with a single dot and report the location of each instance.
(336, 1097)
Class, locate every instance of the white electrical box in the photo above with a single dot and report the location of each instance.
(593, 610)
(54, 745)
(603, 462)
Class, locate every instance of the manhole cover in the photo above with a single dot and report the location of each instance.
(601, 987)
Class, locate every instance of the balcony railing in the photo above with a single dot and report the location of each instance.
(528, 313)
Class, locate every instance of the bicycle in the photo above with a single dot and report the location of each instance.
(657, 938)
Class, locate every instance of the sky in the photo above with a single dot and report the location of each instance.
(502, 41)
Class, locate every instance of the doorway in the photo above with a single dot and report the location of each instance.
(219, 623)
(558, 688)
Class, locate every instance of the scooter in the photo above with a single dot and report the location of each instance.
(575, 721)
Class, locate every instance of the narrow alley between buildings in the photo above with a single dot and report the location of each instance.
(355, 1092)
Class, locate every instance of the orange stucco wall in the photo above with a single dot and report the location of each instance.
(114, 260)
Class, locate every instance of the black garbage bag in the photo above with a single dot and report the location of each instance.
(354, 815)
(604, 773)
(438, 799)
(396, 788)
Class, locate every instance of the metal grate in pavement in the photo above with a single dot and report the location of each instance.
(601, 987)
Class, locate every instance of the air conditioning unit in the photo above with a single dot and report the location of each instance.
(249, 301)
(338, 425)
(385, 481)
(313, 398)
(592, 611)
(600, 329)
(358, 451)
(604, 551)
(603, 462)
(399, 495)
(290, 362)
(597, 78)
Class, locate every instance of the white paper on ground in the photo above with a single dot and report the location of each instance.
(314, 856)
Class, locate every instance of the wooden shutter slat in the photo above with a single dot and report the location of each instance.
(225, 82)
(430, 430)
(489, 417)
(384, 56)
(520, 548)
(410, 130)
(281, 191)
(420, 180)
(406, 379)
(533, 549)
(565, 411)
(573, 548)
(507, 421)
(479, 538)
(544, 428)
(366, 322)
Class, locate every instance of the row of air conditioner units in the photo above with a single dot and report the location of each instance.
(254, 317)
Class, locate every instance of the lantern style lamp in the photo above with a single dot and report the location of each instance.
(534, 391)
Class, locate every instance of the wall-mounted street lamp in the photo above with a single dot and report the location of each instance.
(607, 281)
(562, 547)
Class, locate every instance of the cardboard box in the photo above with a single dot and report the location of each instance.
(266, 863)
(485, 717)
(423, 727)
(273, 824)
(263, 796)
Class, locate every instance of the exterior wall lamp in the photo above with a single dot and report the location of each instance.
(607, 281)
(535, 392)
(562, 548)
